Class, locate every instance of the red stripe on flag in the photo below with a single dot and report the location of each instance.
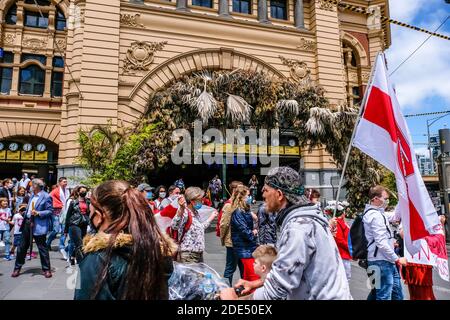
(416, 226)
(379, 111)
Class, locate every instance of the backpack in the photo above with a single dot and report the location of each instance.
(357, 241)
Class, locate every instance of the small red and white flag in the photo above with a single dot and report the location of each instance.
(382, 133)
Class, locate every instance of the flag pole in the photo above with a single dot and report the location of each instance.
(347, 156)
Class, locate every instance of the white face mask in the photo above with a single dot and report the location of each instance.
(162, 194)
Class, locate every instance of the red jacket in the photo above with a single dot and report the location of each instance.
(56, 197)
(219, 216)
(341, 237)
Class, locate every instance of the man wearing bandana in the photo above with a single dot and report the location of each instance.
(308, 265)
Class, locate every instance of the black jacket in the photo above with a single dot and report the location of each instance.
(74, 216)
(91, 265)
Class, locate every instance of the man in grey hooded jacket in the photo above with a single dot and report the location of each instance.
(308, 265)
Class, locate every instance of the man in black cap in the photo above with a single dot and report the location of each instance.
(308, 265)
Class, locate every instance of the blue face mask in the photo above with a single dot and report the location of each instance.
(149, 195)
(198, 205)
(249, 200)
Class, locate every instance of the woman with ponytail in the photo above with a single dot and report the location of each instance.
(128, 257)
(243, 233)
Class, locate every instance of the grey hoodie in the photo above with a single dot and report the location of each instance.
(308, 266)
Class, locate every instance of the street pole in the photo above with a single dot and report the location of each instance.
(429, 148)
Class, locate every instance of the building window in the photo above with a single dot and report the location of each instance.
(242, 6)
(58, 62)
(356, 95)
(32, 81)
(202, 3)
(8, 57)
(6, 79)
(60, 23)
(35, 20)
(38, 57)
(57, 84)
(11, 15)
(278, 9)
(57, 77)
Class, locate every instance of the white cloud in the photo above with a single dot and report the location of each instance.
(422, 151)
(404, 10)
(426, 74)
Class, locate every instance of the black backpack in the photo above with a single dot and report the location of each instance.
(357, 242)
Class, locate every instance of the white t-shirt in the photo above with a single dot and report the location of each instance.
(5, 214)
(33, 201)
(17, 219)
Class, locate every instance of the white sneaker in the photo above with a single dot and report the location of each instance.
(63, 253)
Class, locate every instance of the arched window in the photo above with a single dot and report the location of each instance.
(11, 15)
(60, 21)
(353, 74)
(32, 80)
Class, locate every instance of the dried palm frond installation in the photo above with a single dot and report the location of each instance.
(224, 99)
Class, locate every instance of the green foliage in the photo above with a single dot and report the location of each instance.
(112, 158)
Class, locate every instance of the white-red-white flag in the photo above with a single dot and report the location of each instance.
(382, 134)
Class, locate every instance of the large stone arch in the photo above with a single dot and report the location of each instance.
(47, 131)
(193, 61)
(354, 43)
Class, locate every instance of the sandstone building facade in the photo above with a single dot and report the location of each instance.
(87, 62)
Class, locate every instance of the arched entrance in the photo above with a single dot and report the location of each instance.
(28, 154)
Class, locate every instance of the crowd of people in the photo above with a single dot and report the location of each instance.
(282, 250)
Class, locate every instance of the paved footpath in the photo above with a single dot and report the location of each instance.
(32, 285)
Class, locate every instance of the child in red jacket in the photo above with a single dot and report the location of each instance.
(341, 237)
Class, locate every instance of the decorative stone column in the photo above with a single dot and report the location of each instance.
(224, 8)
(262, 11)
(299, 15)
(182, 5)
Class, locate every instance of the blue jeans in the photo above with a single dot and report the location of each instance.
(57, 228)
(7, 239)
(386, 281)
(231, 263)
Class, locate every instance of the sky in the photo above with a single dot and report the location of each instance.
(423, 82)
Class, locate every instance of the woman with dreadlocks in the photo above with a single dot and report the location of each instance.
(128, 248)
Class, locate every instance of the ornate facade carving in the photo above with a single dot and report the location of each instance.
(61, 43)
(326, 5)
(307, 45)
(9, 38)
(299, 71)
(131, 20)
(35, 44)
(140, 55)
(365, 76)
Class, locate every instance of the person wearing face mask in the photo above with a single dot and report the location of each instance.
(147, 192)
(243, 233)
(381, 255)
(190, 231)
(128, 257)
(77, 221)
(161, 202)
